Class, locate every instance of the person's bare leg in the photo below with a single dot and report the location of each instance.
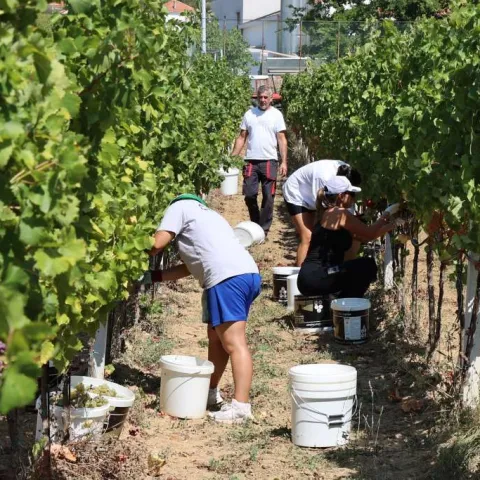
(234, 341)
(217, 355)
(303, 223)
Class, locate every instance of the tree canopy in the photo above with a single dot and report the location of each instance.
(335, 27)
(231, 43)
(359, 10)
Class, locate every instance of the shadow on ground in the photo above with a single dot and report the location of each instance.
(127, 375)
(287, 237)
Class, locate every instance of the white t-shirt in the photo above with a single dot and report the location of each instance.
(302, 186)
(262, 127)
(206, 243)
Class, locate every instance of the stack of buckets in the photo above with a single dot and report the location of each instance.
(89, 422)
(311, 314)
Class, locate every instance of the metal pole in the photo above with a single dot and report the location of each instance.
(300, 49)
(338, 41)
(204, 26)
(263, 45)
(224, 53)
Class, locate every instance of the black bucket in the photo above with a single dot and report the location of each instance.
(280, 275)
(116, 421)
(312, 314)
(350, 320)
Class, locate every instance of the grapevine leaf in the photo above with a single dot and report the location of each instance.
(42, 66)
(47, 351)
(50, 265)
(16, 390)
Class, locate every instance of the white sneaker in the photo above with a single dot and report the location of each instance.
(214, 397)
(235, 412)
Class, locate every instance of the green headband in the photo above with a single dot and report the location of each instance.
(188, 196)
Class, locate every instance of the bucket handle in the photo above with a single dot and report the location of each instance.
(332, 420)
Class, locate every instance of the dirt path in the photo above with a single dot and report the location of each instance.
(386, 443)
(399, 399)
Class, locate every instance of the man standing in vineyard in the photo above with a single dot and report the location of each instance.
(213, 255)
(262, 127)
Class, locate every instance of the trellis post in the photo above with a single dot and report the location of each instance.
(471, 388)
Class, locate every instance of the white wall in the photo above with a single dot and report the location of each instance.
(252, 33)
(291, 40)
(259, 8)
(227, 9)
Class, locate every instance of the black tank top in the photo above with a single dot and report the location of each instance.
(328, 247)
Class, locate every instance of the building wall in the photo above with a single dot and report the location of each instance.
(253, 9)
(283, 41)
(253, 34)
(248, 9)
(228, 9)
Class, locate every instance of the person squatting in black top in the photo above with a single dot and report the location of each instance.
(324, 270)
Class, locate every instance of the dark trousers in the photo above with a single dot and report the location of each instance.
(256, 172)
(351, 282)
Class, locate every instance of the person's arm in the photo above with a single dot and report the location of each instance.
(282, 144)
(175, 273)
(161, 239)
(156, 276)
(364, 232)
(239, 143)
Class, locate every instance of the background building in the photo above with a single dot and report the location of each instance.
(262, 22)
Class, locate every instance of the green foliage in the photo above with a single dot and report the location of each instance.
(104, 119)
(336, 27)
(232, 44)
(359, 10)
(404, 110)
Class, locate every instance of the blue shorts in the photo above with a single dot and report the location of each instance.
(230, 300)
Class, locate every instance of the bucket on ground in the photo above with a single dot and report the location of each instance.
(292, 291)
(185, 381)
(312, 314)
(323, 402)
(351, 320)
(121, 402)
(249, 233)
(280, 275)
(84, 422)
(229, 185)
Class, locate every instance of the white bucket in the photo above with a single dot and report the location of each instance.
(249, 233)
(84, 422)
(184, 385)
(280, 287)
(121, 402)
(292, 291)
(323, 400)
(350, 320)
(229, 185)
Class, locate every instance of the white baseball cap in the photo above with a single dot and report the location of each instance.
(338, 184)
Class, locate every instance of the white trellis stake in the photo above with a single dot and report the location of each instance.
(388, 264)
(471, 389)
(98, 352)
